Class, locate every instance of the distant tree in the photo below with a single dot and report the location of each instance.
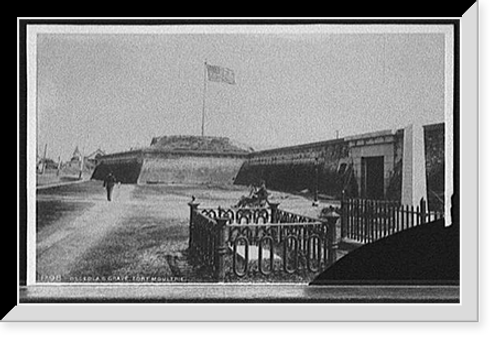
(49, 163)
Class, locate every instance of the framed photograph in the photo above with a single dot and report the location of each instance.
(248, 170)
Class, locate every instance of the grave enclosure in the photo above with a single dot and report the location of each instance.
(264, 244)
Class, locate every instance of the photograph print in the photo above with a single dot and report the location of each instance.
(304, 162)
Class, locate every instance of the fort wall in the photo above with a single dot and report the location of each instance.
(177, 159)
(126, 166)
(299, 168)
(190, 168)
(335, 167)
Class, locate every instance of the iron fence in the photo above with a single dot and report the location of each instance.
(235, 243)
(366, 221)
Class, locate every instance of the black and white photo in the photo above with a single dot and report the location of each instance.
(244, 162)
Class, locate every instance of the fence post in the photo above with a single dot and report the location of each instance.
(413, 216)
(356, 222)
(369, 221)
(386, 220)
(220, 248)
(423, 211)
(364, 220)
(274, 211)
(343, 214)
(331, 222)
(193, 208)
(347, 210)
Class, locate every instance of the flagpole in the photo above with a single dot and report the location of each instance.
(58, 166)
(82, 158)
(204, 92)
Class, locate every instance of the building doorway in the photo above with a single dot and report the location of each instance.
(372, 177)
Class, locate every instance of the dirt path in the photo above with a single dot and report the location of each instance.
(64, 241)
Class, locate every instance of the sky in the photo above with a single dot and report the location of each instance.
(118, 91)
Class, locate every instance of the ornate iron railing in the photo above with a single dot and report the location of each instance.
(239, 215)
(260, 243)
(286, 216)
(279, 248)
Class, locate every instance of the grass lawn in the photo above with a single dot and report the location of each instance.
(140, 251)
(50, 211)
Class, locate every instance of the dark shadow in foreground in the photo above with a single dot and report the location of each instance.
(428, 254)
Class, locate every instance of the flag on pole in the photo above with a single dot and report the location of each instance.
(58, 166)
(220, 74)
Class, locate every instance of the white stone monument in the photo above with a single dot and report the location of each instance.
(414, 179)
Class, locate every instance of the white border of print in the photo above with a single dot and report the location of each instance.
(467, 311)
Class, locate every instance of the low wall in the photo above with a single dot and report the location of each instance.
(179, 168)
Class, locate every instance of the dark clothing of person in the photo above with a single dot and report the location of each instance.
(256, 197)
(109, 184)
(262, 193)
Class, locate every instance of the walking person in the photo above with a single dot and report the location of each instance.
(109, 184)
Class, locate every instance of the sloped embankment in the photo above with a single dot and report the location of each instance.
(177, 159)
